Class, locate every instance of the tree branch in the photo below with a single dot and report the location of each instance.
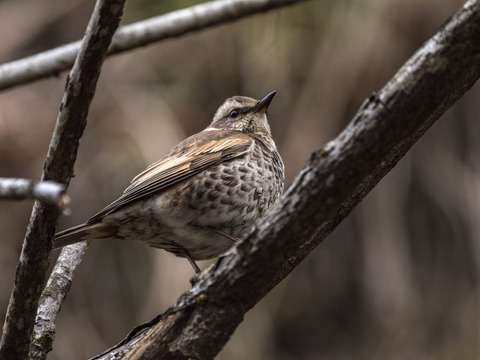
(20, 189)
(52, 298)
(333, 182)
(58, 167)
(176, 23)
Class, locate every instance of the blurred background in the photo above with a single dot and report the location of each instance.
(399, 279)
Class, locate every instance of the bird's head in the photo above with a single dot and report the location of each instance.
(244, 114)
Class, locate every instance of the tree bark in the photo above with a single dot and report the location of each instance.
(34, 259)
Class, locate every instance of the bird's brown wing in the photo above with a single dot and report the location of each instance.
(188, 158)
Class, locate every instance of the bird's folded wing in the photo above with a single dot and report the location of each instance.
(185, 160)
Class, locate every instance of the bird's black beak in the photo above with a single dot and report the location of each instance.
(264, 103)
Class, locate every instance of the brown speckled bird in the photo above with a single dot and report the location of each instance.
(204, 195)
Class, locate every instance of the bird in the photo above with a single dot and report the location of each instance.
(204, 195)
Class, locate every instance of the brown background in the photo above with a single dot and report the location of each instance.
(397, 280)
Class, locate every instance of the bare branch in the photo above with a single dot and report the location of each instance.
(52, 298)
(177, 23)
(20, 189)
(332, 183)
(71, 121)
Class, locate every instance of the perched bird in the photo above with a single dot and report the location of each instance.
(202, 196)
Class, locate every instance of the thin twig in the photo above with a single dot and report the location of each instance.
(176, 23)
(50, 192)
(52, 298)
(71, 121)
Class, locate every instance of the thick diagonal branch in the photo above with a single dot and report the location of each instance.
(71, 121)
(333, 182)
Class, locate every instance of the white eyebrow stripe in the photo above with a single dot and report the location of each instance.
(211, 129)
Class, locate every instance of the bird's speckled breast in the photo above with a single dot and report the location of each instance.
(227, 198)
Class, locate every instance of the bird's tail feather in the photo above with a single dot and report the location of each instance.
(71, 236)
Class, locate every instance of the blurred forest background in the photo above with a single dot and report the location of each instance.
(399, 279)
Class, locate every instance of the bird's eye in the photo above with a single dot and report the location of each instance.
(233, 114)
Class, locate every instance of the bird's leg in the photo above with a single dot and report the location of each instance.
(190, 259)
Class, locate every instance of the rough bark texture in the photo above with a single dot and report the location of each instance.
(52, 298)
(332, 183)
(177, 23)
(71, 121)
